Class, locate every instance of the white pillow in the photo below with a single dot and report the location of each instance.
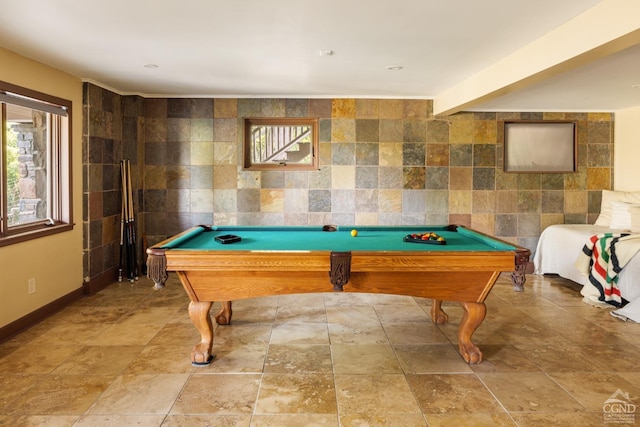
(620, 215)
(606, 208)
(634, 212)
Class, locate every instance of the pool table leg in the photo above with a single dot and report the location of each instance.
(224, 315)
(199, 314)
(438, 316)
(474, 313)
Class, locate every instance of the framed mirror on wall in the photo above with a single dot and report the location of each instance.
(540, 146)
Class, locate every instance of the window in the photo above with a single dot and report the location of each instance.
(35, 164)
(272, 143)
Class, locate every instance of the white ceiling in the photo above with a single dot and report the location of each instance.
(261, 48)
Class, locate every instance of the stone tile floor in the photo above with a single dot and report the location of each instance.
(122, 357)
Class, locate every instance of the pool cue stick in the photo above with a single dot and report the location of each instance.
(132, 222)
(129, 241)
(125, 215)
(122, 226)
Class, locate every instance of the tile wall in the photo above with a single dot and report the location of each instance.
(386, 162)
(112, 131)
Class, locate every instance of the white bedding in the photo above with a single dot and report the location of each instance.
(558, 250)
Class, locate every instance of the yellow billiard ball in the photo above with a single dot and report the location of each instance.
(354, 232)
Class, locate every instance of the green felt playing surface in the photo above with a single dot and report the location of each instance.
(369, 238)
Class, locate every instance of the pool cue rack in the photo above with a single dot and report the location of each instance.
(128, 254)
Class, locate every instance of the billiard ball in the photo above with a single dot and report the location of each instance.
(354, 232)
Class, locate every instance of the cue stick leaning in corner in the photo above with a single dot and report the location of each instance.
(122, 219)
(127, 222)
(132, 223)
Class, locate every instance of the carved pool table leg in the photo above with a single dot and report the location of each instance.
(472, 317)
(199, 314)
(518, 277)
(224, 315)
(438, 316)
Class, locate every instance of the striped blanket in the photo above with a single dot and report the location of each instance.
(602, 258)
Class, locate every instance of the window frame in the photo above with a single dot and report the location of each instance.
(59, 177)
(281, 121)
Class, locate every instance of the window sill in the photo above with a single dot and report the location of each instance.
(35, 233)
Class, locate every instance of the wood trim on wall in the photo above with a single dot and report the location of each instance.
(35, 317)
(101, 281)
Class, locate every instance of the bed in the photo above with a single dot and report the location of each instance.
(561, 245)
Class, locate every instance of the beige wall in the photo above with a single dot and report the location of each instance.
(626, 175)
(54, 261)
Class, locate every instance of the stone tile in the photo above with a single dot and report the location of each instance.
(13, 387)
(220, 394)
(438, 131)
(343, 177)
(296, 107)
(320, 201)
(414, 333)
(367, 130)
(391, 108)
(99, 360)
(560, 419)
(414, 130)
(364, 359)
(367, 108)
(414, 178)
(391, 177)
(343, 108)
(416, 108)
(484, 155)
(529, 392)
(60, 395)
(367, 154)
(110, 420)
(598, 178)
(320, 108)
(484, 179)
(298, 359)
(390, 201)
(349, 333)
(299, 333)
(294, 420)
(592, 389)
(343, 130)
(485, 131)
(437, 155)
(236, 358)
(272, 200)
(297, 394)
(239, 333)
(343, 153)
(248, 107)
(367, 201)
(125, 334)
(430, 358)
(36, 359)
(352, 420)
(460, 178)
(599, 132)
(355, 398)
(452, 394)
(529, 201)
(437, 178)
(270, 107)
(391, 130)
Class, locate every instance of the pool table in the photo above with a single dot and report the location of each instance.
(462, 266)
